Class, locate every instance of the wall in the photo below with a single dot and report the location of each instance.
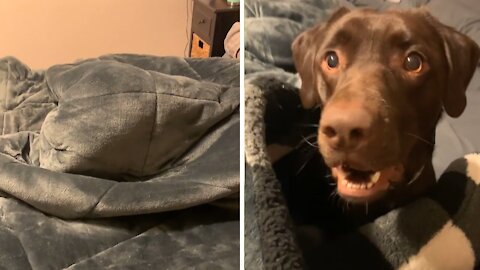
(43, 33)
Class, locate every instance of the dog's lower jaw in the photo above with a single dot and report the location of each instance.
(364, 187)
(386, 194)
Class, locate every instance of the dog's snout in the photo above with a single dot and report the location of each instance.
(345, 126)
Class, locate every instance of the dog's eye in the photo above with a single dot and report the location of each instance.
(332, 59)
(413, 62)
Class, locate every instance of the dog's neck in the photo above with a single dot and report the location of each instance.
(419, 174)
(415, 187)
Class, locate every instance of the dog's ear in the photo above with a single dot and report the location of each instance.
(462, 55)
(305, 48)
(304, 52)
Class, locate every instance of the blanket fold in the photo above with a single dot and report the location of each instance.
(122, 161)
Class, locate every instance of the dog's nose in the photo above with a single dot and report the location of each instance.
(345, 125)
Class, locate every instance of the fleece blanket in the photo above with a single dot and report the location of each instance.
(293, 222)
(95, 156)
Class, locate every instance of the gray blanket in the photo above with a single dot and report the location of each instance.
(291, 224)
(96, 155)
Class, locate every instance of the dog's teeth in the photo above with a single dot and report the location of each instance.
(349, 185)
(356, 186)
(369, 185)
(363, 186)
(345, 183)
(375, 177)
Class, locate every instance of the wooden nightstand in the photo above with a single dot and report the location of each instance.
(211, 21)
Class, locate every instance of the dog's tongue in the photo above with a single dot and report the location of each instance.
(365, 186)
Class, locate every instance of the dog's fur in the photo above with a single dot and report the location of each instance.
(384, 115)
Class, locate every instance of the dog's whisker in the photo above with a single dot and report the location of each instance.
(419, 138)
(310, 156)
(308, 125)
(309, 143)
(336, 200)
(311, 136)
(306, 159)
(332, 181)
(412, 181)
(302, 167)
(346, 206)
(333, 197)
(416, 176)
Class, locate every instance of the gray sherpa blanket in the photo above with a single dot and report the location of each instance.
(96, 155)
(293, 223)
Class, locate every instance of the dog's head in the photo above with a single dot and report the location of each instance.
(383, 80)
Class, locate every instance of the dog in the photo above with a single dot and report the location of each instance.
(383, 80)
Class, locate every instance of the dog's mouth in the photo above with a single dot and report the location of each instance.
(356, 185)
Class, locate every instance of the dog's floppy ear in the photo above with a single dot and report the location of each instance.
(462, 55)
(305, 48)
(304, 52)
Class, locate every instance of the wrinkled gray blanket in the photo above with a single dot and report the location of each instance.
(116, 143)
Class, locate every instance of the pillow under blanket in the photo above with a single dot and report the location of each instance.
(117, 120)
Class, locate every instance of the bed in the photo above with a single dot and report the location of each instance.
(291, 223)
(120, 162)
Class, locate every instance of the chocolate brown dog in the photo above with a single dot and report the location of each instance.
(383, 80)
